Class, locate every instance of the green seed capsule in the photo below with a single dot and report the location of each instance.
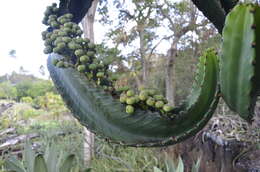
(81, 68)
(137, 99)
(151, 92)
(150, 101)
(54, 24)
(167, 108)
(68, 24)
(90, 53)
(66, 64)
(60, 64)
(123, 98)
(158, 97)
(62, 33)
(62, 21)
(79, 52)
(61, 45)
(113, 77)
(91, 45)
(66, 39)
(79, 32)
(47, 50)
(130, 100)
(84, 59)
(72, 45)
(92, 66)
(68, 15)
(100, 74)
(56, 50)
(143, 95)
(121, 89)
(159, 104)
(130, 93)
(55, 61)
(130, 109)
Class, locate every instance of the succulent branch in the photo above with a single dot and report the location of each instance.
(239, 64)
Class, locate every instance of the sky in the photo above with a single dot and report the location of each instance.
(20, 30)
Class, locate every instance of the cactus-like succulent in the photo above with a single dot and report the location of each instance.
(106, 116)
(240, 60)
(147, 124)
(52, 161)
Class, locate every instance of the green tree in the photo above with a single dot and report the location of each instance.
(7, 91)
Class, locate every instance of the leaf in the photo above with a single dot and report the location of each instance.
(155, 169)
(51, 156)
(69, 162)
(13, 164)
(196, 167)
(40, 164)
(29, 156)
(180, 167)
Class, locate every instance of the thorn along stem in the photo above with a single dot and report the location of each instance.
(253, 26)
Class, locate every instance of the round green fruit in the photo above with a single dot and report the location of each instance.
(79, 52)
(66, 39)
(130, 100)
(150, 102)
(158, 97)
(159, 104)
(47, 50)
(92, 66)
(55, 61)
(60, 64)
(68, 15)
(56, 49)
(84, 59)
(167, 108)
(130, 109)
(68, 24)
(123, 98)
(91, 45)
(143, 95)
(130, 93)
(100, 74)
(72, 45)
(81, 68)
(61, 45)
(90, 53)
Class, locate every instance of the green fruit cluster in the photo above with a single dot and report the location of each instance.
(64, 37)
(145, 99)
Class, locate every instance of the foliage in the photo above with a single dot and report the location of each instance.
(33, 89)
(111, 157)
(52, 161)
(7, 91)
(26, 100)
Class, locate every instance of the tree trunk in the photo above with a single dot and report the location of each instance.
(88, 28)
(145, 63)
(169, 74)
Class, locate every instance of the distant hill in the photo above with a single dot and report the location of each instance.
(16, 78)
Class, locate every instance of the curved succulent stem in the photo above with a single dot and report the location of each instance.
(104, 115)
(213, 11)
(78, 8)
(239, 63)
